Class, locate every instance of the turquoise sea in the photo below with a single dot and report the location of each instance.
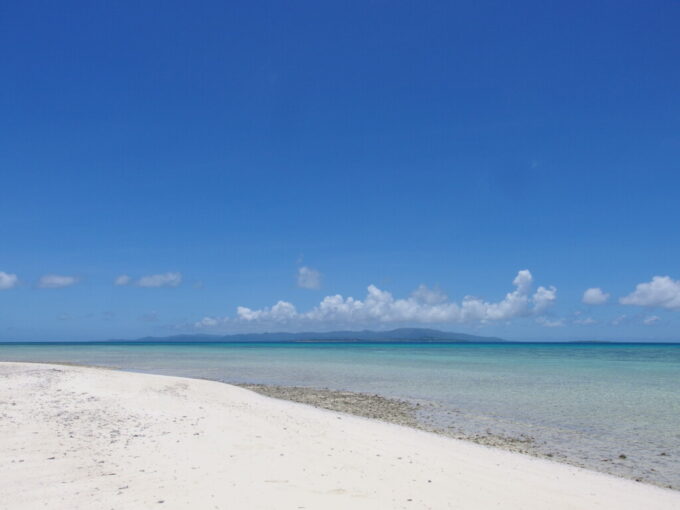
(611, 407)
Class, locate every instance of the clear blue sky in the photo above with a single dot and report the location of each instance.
(211, 155)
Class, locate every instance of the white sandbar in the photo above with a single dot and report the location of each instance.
(76, 437)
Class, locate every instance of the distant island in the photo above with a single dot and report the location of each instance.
(394, 335)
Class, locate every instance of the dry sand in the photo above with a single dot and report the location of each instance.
(76, 437)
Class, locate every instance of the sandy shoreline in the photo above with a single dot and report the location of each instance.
(414, 414)
(76, 437)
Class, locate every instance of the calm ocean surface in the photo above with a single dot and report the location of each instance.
(587, 404)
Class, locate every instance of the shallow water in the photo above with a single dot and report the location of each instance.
(588, 404)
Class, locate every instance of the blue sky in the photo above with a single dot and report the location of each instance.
(227, 155)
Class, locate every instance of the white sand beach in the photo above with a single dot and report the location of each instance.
(76, 437)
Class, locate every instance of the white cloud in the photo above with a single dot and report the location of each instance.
(618, 320)
(544, 298)
(424, 294)
(550, 323)
(595, 296)
(207, 322)
(122, 280)
(160, 280)
(153, 280)
(8, 281)
(56, 281)
(652, 319)
(425, 305)
(662, 291)
(280, 312)
(308, 278)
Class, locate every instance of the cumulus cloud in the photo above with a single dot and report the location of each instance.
(207, 322)
(280, 312)
(424, 294)
(424, 305)
(595, 296)
(308, 278)
(56, 281)
(652, 319)
(8, 281)
(122, 280)
(662, 292)
(160, 280)
(544, 298)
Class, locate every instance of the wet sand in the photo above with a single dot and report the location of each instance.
(418, 415)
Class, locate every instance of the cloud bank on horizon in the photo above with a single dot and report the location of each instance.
(424, 305)
(431, 306)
